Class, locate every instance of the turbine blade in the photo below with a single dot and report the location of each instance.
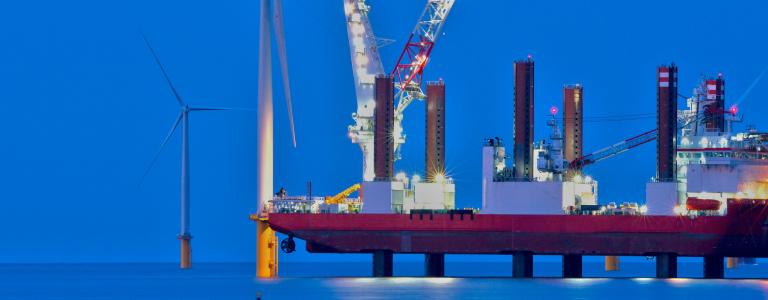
(221, 108)
(751, 86)
(277, 26)
(162, 69)
(167, 137)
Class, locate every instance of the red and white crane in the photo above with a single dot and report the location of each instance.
(410, 66)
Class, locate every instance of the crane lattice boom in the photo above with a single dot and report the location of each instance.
(614, 149)
(410, 66)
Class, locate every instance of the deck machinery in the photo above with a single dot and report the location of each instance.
(708, 198)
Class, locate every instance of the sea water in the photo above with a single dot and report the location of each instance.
(350, 280)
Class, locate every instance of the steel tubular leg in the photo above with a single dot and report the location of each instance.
(714, 266)
(382, 263)
(666, 265)
(522, 264)
(434, 264)
(572, 266)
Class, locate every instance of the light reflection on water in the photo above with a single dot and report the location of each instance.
(500, 286)
(538, 288)
(311, 281)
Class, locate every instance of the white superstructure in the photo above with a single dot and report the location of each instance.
(404, 195)
(545, 194)
(713, 164)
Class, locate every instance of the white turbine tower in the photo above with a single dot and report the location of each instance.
(183, 118)
(271, 21)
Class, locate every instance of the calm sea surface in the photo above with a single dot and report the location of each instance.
(348, 281)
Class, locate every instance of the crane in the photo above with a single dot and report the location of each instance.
(410, 66)
(366, 64)
(339, 198)
(687, 120)
(614, 149)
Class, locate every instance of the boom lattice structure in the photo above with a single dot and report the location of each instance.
(366, 64)
(688, 120)
(614, 149)
(410, 66)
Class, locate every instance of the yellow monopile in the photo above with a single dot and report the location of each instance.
(266, 250)
(611, 263)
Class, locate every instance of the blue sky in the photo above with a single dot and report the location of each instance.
(85, 108)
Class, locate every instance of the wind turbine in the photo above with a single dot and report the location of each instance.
(182, 119)
(271, 21)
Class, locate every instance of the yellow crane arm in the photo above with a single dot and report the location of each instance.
(339, 198)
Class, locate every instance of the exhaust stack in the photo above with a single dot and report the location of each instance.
(714, 110)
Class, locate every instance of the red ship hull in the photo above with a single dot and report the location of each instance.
(743, 232)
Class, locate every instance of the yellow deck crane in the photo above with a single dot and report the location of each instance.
(340, 197)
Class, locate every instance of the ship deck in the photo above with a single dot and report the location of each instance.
(742, 232)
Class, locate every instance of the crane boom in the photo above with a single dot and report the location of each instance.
(339, 198)
(614, 149)
(689, 122)
(366, 64)
(409, 68)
